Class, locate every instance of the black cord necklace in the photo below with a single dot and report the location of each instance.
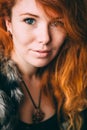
(38, 115)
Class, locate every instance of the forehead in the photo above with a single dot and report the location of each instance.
(34, 7)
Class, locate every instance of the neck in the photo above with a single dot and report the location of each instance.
(32, 81)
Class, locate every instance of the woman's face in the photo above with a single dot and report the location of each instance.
(36, 36)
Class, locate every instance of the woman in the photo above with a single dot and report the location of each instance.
(38, 32)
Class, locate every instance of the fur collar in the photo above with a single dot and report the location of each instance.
(10, 92)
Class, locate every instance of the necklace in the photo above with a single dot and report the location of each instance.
(38, 114)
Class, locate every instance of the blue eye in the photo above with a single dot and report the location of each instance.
(29, 20)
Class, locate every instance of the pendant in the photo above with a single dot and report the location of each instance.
(37, 116)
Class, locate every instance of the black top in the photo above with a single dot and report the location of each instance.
(49, 124)
(84, 115)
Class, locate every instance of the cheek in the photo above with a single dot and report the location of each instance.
(23, 38)
(21, 34)
(59, 39)
(59, 35)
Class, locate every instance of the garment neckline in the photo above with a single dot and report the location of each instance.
(42, 122)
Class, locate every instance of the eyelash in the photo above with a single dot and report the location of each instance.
(30, 21)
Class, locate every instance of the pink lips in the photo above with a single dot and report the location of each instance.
(42, 53)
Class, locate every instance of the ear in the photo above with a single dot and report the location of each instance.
(8, 24)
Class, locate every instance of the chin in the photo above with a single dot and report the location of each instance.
(42, 65)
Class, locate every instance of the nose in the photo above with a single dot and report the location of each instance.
(44, 35)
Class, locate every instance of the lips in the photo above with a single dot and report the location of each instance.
(42, 53)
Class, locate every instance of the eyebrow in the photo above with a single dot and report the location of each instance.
(34, 15)
(57, 18)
